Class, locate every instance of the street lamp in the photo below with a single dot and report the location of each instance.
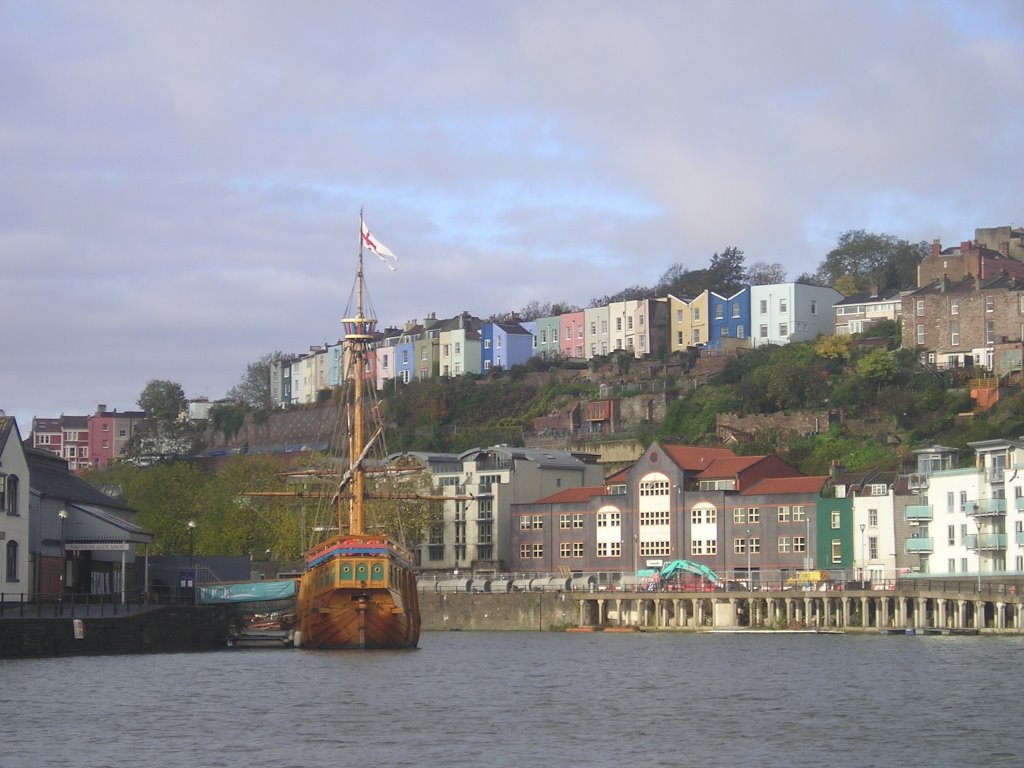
(63, 515)
(750, 584)
(863, 558)
(809, 559)
(977, 524)
(192, 554)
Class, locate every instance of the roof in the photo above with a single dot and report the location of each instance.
(868, 298)
(695, 458)
(133, 532)
(729, 466)
(782, 485)
(574, 495)
(49, 476)
(6, 427)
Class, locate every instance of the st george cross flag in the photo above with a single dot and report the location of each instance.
(383, 252)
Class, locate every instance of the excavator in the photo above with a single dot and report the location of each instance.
(668, 578)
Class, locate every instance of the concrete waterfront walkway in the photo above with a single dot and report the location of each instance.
(864, 610)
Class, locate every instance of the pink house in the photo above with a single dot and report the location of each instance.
(571, 327)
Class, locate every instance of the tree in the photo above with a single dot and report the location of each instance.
(872, 261)
(878, 367)
(254, 388)
(760, 273)
(163, 434)
(163, 400)
(726, 275)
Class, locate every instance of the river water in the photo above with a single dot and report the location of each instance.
(521, 699)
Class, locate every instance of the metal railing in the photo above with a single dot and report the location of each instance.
(22, 605)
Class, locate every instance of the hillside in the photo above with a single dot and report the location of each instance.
(857, 403)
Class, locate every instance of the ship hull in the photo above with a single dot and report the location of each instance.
(358, 593)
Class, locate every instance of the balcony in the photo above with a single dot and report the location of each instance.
(989, 541)
(985, 507)
(919, 546)
(918, 512)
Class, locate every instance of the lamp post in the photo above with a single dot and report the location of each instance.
(750, 585)
(863, 558)
(809, 559)
(977, 524)
(63, 515)
(191, 556)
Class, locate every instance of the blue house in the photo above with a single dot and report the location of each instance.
(729, 317)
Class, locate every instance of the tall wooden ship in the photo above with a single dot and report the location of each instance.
(358, 590)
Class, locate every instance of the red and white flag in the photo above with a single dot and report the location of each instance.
(383, 252)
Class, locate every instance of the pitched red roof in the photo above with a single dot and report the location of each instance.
(695, 458)
(781, 485)
(728, 467)
(573, 495)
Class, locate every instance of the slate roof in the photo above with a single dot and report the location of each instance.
(50, 477)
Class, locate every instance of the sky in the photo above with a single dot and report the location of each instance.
(182, 181)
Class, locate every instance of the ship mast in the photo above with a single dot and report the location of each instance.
(358, 333)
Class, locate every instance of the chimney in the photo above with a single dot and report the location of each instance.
(936, 247)
(1004, 249)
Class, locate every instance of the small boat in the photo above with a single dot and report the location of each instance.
(357, 590)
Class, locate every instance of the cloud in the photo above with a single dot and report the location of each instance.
(183, 179)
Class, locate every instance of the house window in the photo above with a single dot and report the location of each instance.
(814, 307)
(538, 550)
(755, 545)
(783, 330)
(783, 514)
(990, 305)
(740, 333)
(648, 517)
(609, 519)
(739, 515)
(739, 546)
(457, 346)
(954, 333)
(577, 549)
(873, 518)
(565, 549)
(719, 312)
(654, 488)
(990, 332)
(754, 515)
(799, 543)
(872, 547)
(695, 313)
(9, 494)
(836, 520)
(920, 335)
(11, 561)
(798, 514)
(735, 309)
(783, 305)
(763, 331)
(954, 306)
(784, 544)
(609, 549)
(837, 551)
(919, 308)
(764, 306)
